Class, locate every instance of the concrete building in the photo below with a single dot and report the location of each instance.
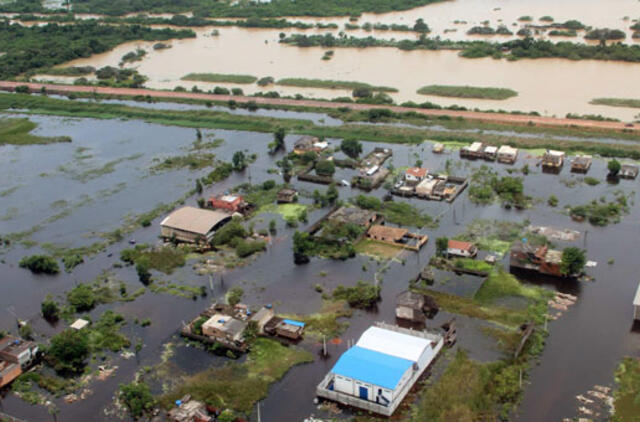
(290, 328)
(438, 148)
(628, 171)
(228, 203)
(636, 305)
(414, 307)
(461, 249)
(225, 327)
(415, 175)
(8, 372)
(428, 187)
(377, 373)
(475, 150)
(353, 215)
(553, 159)
(490, 153)
(193, 225)
(262, 317)
(309, 143)
(507, 154)
(287, 196)
(525, 256)
(581, 163)
(18, 351)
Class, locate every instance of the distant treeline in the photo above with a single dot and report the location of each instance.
(242, 9)
(28, 49)
(527, 48)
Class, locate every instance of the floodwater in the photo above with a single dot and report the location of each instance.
(583, 348)
(552, 87)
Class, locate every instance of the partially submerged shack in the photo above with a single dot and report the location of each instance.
(581, 163)
(473, 151)
(507, 154)
(192, 225)
(628, 171)
(414, 307)
(553, 160)
(287, 196)
(540, 259)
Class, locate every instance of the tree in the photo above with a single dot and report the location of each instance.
(137, 397)
(332, 194)
(351, 147)
(68, 351)
(286, 167)
(142, 268)
(303, 246)
(421, 26)
(614, 168)
(82, 298)
(278, 140)
(362, 93)
(239, 161)
(573, 260)
(50, 309)
(227, 416)
(442, 244)
(235, 296)
(198, 187)
(325, 168)
(40, 264)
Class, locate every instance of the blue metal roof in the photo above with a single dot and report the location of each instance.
(293, 322)
(371, 367)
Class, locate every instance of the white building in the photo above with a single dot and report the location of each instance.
(378, 372)
(462, 249)
(507, 154)
(636, 305)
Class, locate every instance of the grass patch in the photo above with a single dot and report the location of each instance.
(626, 403)
(492, 235)
(326, 321)
(17, 132)
(473, 265)
(239, 386)
(220, 77)
(330, 84)
(500, 284)
(286, 211)
(377, 249)
(617, 102)
(164, 259)
(194, 161)
(464, 91)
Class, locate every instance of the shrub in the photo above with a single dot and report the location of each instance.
(234, 296)
(229, 231)
(573, 260)
(82, 298)
(552, 201)
(68, 351)
(246, 248)
(40, 264)
(268, 184)
(71, 261)
(137, 397)
(50, 310)
(362, 295)
(325, 168)
(368, 202)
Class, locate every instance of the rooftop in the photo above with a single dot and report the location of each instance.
(418, 172)
(506, 149)
(458, 244)
(359, 363)
(293, 322)
(491, 149)
(79, 324)
(194, 220)
(410, 299)
(353, 215)
(14, 345)
(388, 232)
(475, 147)
(393, 343)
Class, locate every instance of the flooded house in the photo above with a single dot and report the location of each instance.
(581, 163)
(353, 215)
(225, 327)
(636, 305)
(429, 187)
(192, 225)
(376, 373)
(553, 160)
(287, 196)
(414, 307)
(309, 144)
(437, 148)
(490, 153)
(396, 236)
(18, 351)
(475, 150)
(262, 317)
(189, 410)
(228, 203)
(461, 249)
(507, 154)
(285, 328)
(628, 171)
(540, 259)
(414, 175)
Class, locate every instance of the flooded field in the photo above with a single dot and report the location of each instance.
(67, 194)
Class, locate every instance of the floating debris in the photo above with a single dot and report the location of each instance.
(561, 302)
(552, 233)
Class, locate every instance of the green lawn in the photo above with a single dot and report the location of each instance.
(501, 284)
(220, 77)
(17, 132)
(464, 91)
(330, 84)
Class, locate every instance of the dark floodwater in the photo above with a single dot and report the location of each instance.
(583, 349)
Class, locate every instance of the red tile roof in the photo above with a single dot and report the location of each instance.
(457, 244)
(417, 172)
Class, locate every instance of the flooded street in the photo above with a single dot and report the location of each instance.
(597, 329)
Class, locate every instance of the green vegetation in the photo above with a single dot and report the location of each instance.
(500, 284)
(69, 71)
(17, 132)
(245, 248)
(573, 261)
(192, 161)
(164, 258)
(460, 91)
(494, 236)
(626, 403)
(238, 386)
(472, 265)
(329, 84)
(614, 167)
(617, 102)
(325, 168)
(401, 213)
(362, 295)
(234, 296)
(591, 181)
(50, 309)
(71, 261)
(601, 213)
(51, 44)
(104, 334)
(605, 34)
(82, 298)
(133, 56)
(351, 147)
(485, 187)
(219, 77)
(137, 397)
(68, 351)
(40, 264)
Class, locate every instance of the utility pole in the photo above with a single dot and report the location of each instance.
(324, 345)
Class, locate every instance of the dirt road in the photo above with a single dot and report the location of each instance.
(470, 115)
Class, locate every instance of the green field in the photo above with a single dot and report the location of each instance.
(617, 102)
(220, 77)
(463, 91)
(329, 84)
(18, 132)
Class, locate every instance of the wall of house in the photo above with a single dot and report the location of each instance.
(352, 387)
(458, 252)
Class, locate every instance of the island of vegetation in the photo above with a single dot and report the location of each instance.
(459, 91)
(617, 102)
(219, 77)
(18, 132)
(329, 84)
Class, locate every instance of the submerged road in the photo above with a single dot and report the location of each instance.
(470, 115)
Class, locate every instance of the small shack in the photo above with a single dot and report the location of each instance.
(224, 326)
(552, 159)
(507, 154)
(414, 307)
(192, 225)
(309, 143)
(290, 328)
(636, 305)
(437, 148)
(428, 187)
(490, 153)
(287, 196)
(262, 317)
(353, 215)
(581, 163)
(475, 150)
(188, 410)
(628, 171)
(79, 324)
(461, 249)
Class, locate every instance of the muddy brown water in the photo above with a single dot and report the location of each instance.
(583, 349)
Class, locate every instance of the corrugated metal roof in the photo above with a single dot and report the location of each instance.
(372, 367)
(393, 343)
(458, 244)
(636, 301)
(194, 220)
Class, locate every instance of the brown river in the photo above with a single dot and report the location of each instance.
(549, 86)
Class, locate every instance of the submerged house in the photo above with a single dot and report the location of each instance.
(228, 203)
(192, 225)
(541, 259)
(353, 215)
(377, 373)
(553, 160)
(475, 150)
(287, 196)
(224, 327)
(507, 154)
(18, 351)
(397, 237)
(461, 249)
(490, 153)
(309, 143)
(628, 171)
(414, 307)
(581, 163)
